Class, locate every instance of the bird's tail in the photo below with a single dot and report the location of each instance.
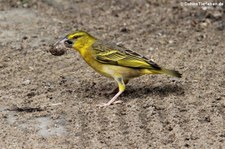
(169, 72)
(173, 73)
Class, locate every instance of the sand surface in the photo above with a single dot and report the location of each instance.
(49, 102)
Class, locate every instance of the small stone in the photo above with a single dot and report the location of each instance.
(25, 37)
(124, 30)
(57, 50)
(25, 5)
(217, 15)
(218, 98)
(220, 25)
(16, 47)
(151, 49)
(31, 94)
(26, 82)
(31, 68)
(170, 41)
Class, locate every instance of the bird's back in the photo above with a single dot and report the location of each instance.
(117, 55)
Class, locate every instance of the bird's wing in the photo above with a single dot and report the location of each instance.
(115, 55)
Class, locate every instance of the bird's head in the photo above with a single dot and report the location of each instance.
(78, 40)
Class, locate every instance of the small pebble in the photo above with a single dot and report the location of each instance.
(151, 49)
(170, 41)
(124, 30)
(26, 82)
(57, 50)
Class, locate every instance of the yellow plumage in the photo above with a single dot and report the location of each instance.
(113, 61)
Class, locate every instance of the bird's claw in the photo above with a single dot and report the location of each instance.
(118, 102)
(103, 105)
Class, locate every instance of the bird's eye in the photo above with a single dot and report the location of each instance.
(76, 37)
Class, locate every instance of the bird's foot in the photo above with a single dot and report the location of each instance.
(103, 105)
(118, 102)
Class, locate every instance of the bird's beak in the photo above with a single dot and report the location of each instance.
(68, 43)
(61, 41)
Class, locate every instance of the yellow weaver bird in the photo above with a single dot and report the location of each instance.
(112, 61)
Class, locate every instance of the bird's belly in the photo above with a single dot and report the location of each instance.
(114, 71)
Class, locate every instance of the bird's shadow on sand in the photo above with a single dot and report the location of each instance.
(162, 90)
(138, 91)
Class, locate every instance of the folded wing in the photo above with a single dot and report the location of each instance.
(115, 55)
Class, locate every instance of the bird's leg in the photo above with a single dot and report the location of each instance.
(116, 89)
(121, 86)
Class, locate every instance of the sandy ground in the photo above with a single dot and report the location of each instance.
(50, 101)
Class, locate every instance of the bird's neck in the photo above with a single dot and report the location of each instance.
(83, 44)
